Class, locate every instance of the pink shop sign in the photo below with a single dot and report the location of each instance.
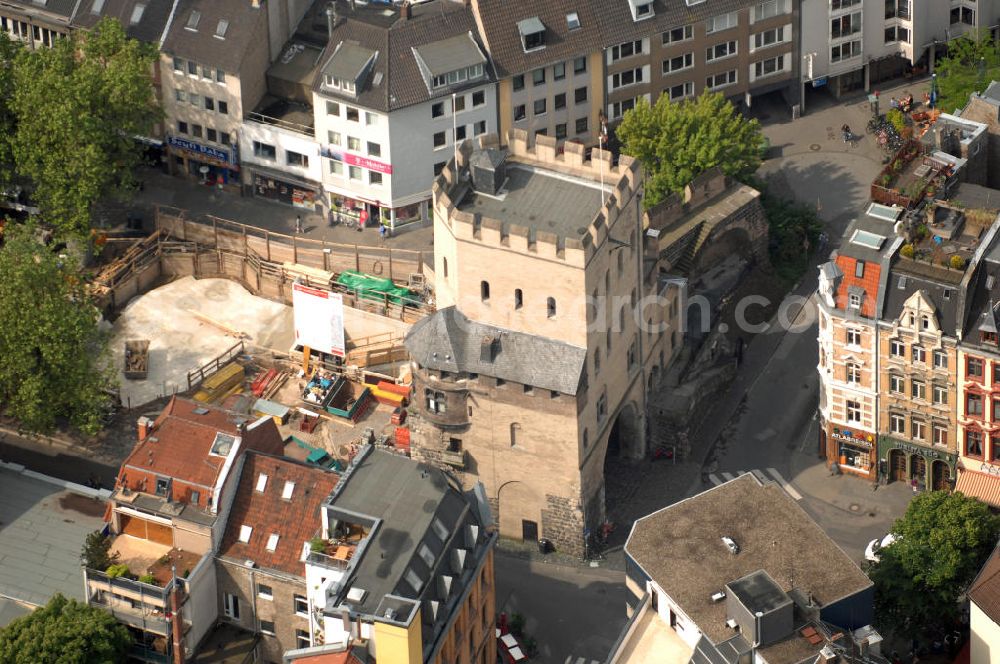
(370, 164)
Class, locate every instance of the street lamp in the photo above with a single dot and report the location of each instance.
(934, 91)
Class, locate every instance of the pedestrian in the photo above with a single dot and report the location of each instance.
(913, 484)
(298, 223)
(894, 102)
(382, 232)
(848, 135)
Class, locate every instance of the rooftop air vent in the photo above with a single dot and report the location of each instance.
(719, 596)
(733, 547)
(731, 624)
(356, 594)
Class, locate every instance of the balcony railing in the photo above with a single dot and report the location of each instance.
(148, 655)
(317, 558)
(138, 617)
(260, 118)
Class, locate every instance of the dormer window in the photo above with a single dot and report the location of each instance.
(341, 84)
(221, 28)
(988, 338)
(532, 32)
(193, 18)
(854, 301)
(641, 9)
(458, 76)
(572, 21)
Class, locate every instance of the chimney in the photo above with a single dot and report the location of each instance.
(404, 11)
(177, 623)
(331, 17)
(145, 426)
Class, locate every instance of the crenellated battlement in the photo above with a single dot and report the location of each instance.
(569, 241)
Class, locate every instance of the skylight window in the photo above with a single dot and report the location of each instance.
(193, 18)
(572, 20)
(97, 7)
(261, 482)
(245, 531)
(867, 239)
(137, 12)
(220, 29)
(272, 542)
(286, 492)
(222, 444)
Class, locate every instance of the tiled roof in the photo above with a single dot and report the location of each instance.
(499, 18)
(448, 341)
(616, 24)
(202, 46)
(148, 28)
(980, 486)
(985, 590)
(57, 9)
(869, 282)
(680, 547)
(934, 292)
(395, 80)
(294, 520)
(181, 439)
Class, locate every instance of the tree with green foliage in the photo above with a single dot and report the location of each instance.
(96, 552)
(54, 355)
(676, 141)
(78, 106)
(8, 53)
(793, 231)
(64, 631)
(941, 543)
(972, 62)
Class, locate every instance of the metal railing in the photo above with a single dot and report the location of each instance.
(317, 558)
(260, 118)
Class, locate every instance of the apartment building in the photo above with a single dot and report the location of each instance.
(259, 564)
(550, 74)
(706, 583)
(402, 567)
(527, 377)
(854, 44)
(978, 390)
(984, 612)
(397, 88)
(37, 24)
(849, 287)
(166, 516)
(213, 71)
(682, 49)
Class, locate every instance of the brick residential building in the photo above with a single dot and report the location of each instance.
(259, 563)
(682, 49)
(529, 376)
(170, 502)
(550, 75)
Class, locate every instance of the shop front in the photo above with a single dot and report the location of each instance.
(209, 165)
(285, 188)
(922, 467)
(361, 208)
(851, 450)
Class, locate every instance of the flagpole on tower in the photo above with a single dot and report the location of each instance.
(602, 139)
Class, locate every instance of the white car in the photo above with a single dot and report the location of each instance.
(876, 545)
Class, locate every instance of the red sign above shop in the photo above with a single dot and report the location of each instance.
(370, 164)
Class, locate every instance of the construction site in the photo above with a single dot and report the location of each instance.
(308, 333)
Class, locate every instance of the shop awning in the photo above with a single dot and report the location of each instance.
(980, 486)
(288, 178)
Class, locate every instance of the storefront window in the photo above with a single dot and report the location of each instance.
(408, 214)
(855, 456)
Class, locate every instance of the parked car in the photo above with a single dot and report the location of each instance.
(876, 545)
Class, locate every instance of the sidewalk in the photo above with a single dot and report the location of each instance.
(198, 200)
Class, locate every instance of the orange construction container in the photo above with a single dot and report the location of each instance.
(403, 438)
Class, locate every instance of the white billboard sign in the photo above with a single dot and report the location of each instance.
(319, 319)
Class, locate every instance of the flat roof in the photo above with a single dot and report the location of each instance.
(43, 528)
(758, 592)
(681, 549)
(542, 200)
(297, 64)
